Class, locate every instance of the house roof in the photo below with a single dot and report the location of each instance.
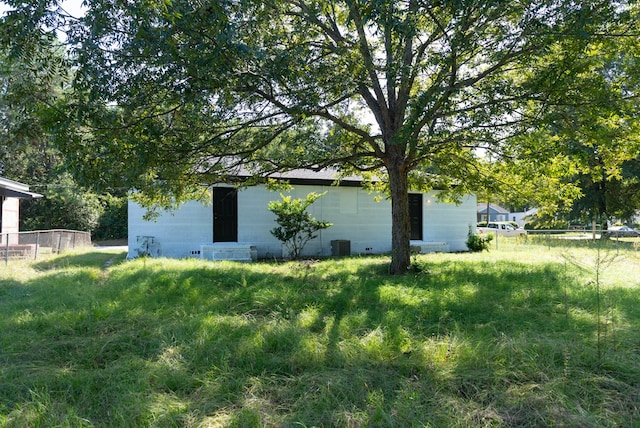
(14, 189)
(322, 176)
(482, 208)
(310, 176)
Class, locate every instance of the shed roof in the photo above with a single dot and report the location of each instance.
(14, 189)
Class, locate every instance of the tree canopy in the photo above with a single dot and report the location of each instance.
(592, 136)
(604, 138)
(31, 108)
(180, 93)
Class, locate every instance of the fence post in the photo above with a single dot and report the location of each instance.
(35, 256)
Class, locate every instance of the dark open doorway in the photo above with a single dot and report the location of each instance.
(225, 214)
(415, 215)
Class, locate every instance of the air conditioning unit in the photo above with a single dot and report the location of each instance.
(147, 246)
(340, 247)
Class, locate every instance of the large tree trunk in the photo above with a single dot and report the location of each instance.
(400, 224)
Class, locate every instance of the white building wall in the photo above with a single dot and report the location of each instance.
(450, 223)
(10, 215)
(356, 216)
(175, 234)
(10, 220)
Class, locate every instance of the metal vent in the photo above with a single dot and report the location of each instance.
(340, 247)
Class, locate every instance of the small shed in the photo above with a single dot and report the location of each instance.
(10, 194)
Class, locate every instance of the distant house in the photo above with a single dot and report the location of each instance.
(522, 217)
(496, 213)
(237, 223)
(10, 194)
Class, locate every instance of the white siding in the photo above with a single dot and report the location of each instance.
(450, 223)
(177, 234)
(10, 220)
(355, 214)
(10, 215)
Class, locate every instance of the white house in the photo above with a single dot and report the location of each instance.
(237, 224)
(522, 217)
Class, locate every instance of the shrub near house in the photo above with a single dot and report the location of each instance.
(296, 225)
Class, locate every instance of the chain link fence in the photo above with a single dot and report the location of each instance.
(30, 245)
(570, 237)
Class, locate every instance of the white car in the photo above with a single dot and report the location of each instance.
(621, 231)
(502, 228)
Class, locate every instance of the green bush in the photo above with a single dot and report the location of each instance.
(65, 205)
(297, 226)
(68, 206)
(548, 224)
(112, 223)
(478, 242)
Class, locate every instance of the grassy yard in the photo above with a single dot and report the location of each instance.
(529, 334)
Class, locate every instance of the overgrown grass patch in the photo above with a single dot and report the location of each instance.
(515, 337)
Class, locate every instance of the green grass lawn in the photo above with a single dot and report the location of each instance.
(530, 334)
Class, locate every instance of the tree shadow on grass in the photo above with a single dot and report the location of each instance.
(275, 345)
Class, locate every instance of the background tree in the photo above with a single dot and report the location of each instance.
(579, 162)
(604, 139)
(31, 94)
(402, 90)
